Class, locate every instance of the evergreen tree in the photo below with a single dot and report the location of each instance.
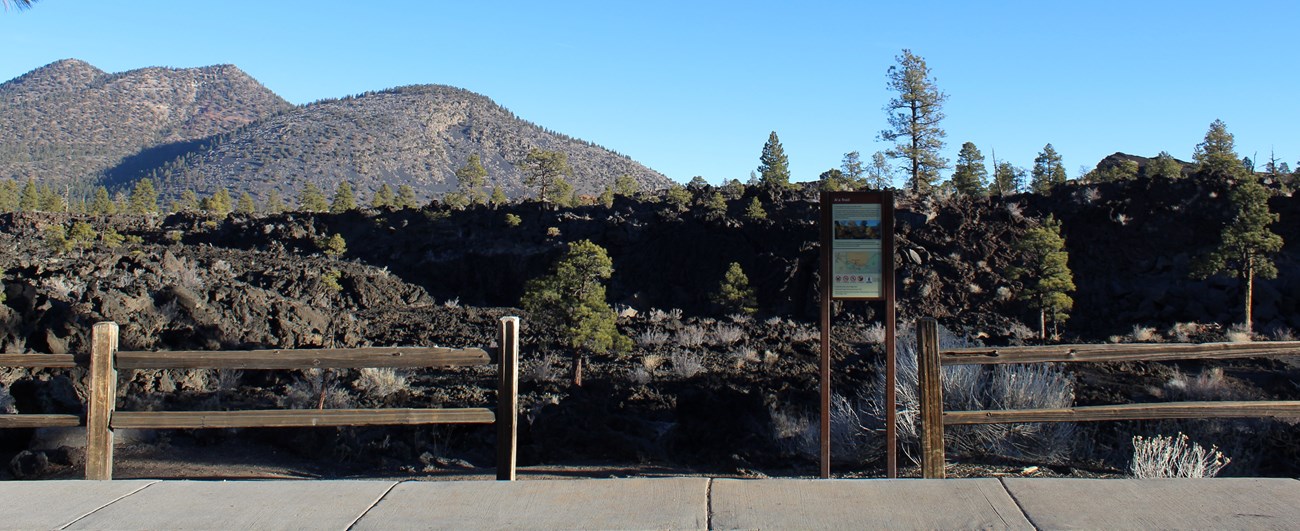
(774, 166)
(245, 204)
(755, 212)
(51, 201)
(311, 199)
(572, 296)
(273, 203)
(334, 246)
(714, 205)
(626, 186)
(734, 294)
(219, 204)
(880, 175)
(30, 201)
(733, 189)
(189, 202)
(564, 194)
(853, 169)
(1164, 166)
(678, 197)
(344, 199)
(1007, 179)
(144, 198)
(473, 178)
(101, 204)
(914, 117)
(498, 197)
(543, 168)
(383, 198)
(81, 235)
(607, 197)
(1124, 170)
(1246, 244)
(1215, 156)
(406, 197)
(1045, 269)
(833, 180)
(10, 196)
(970, 177)
(1048, 171)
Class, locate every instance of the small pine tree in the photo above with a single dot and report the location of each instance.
(245, 205)
(406, 197)
(1216, 156)
(473, 178)
(626, 186)
(678, 197)
(1048, 171)
(498, 197)
(1246, 246)
(383, 198)
(714, 206)
(9, 195)
(56, 238)
(273, 203)
(572, 296)
(81, 235)
(543, 168)
(1045, 269)
(607, 197)
(101, 204)
(30, 200)
(189, 202)
(970, 176)
(344, 199)
(144, 198)
(755, 212)
(51, 201)
(1164, 166)
(563, 193)
(734, 294)
(513, 220)
(334, 246)
(1007, 179)
(311, 199)
(219, 204)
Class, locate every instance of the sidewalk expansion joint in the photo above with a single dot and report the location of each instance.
(1021, 508)
(111, 502)
(372, 505)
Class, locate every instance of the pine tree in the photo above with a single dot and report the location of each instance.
(774, 166)
(51, 201)
(273, 203)
(563, 194)
(473, 178)
(30, 201)
(1215, 156)
(607, 197)
(383, 198)
(626, 186)
(219, 204)
(914, 117)
(714, 206)
(1045, 269)
(572, 296)
(10, 197)
(678, 197)
(498, 197)
(101, 204)
(755, 212)
(311, 199)
(1164, 167)
(334, 246)
(245, 204)
(734, 294)
(880, 175)
(344, 199)
(406, 197)
(543, 168)
(1246, 244)
(1048, 171)
(1007, 179)
(853, 170)
(970, 177)
(189, 202)
(144, 198)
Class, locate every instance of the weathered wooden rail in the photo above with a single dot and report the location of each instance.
(102, 416)
(932, 360)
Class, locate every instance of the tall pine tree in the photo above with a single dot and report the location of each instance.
(1045, 271)
(774, 166)
(914, 116)
(970, 177)
(1216, 156)
(472, 178)
(1246, 245)
(1048, 171)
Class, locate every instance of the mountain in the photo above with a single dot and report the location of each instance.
(415, 135)
(68, 122)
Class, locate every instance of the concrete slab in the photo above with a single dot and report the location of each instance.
(864, 504)
(261, 505)
(54, 504)
(673, 503)
(1219, 503)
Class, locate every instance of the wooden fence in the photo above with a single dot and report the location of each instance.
(932, 360)
(102, 416)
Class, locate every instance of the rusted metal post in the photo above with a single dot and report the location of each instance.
(508, 400)
(929, 378)
(824, 366)
(891, 327)
(103, 399)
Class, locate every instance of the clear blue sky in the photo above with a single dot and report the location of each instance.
(693, 88)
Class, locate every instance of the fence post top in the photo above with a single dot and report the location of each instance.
(510, 319)
(106, 324)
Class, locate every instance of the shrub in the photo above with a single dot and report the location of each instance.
(1174, 457)
(56, 238)
(691, 336)
(651, 338)
(734, 293)
(686, 364)
(513, 220)
(727, 335)
(1210, 384)
(380, 383)
(111, 238)
(331, 280)
(334, 246)
(1143, 334)
(755, 212)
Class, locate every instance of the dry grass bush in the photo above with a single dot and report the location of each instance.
(651, 339)
(315, 389)
(652, 362)
(1184, 332)
(1174, 457)
(874, 334)
(724, 335)
(1210, 384)
(379, 383)
(851, 443)
(973, 387)
(7, 406)
(1239, 334)
(686, 364)
(1283, 333)
(1144, 334)
(691, 336)
(544, 370)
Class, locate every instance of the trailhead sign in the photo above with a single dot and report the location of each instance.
(856, 246)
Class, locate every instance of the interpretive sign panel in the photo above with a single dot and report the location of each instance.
(857, 270)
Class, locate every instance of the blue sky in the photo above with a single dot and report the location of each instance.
(693, 88)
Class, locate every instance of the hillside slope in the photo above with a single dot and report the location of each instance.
(67, 122)
(416, 135)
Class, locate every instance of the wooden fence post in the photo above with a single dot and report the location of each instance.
(103, 399)
(930, 379)
(508, 399)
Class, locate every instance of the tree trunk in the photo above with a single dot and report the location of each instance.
(577, 368)
(1042, 323)
(1250, 291)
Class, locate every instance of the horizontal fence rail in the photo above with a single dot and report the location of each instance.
(38, 361)
(102, 416)
(931, 360)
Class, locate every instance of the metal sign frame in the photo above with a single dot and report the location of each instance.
(885, 230)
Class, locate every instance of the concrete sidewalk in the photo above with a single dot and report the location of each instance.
(672, 503)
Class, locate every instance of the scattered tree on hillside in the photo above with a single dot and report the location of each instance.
(1164, 167)
(334, 246)
(273, 203)
(311, 199)
(678, 197)
(626, 186)
(10, 197)
(774, 166)
(1007, 179)
(734, 294)
(573, 296)
(1124, 170)
(406, 197)
(189, 202)
(144, 198)
(1216, 156)
(102, 204)
(853, 169)
(970, 177)
(30, 199)
(914, 116)
(880, 175)
(472, 179)
(1048, 171)
(498, 197)
(544, 168)
(344, 199)
(245, 204)
(1246, 244)
(1045, 270)
(219, 203)
(383, 197)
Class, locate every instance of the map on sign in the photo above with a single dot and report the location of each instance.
(856, 270)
